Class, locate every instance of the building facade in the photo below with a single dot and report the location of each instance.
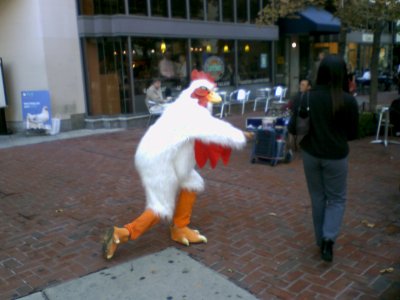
(97, 57)
(40, 50)
(126, 44)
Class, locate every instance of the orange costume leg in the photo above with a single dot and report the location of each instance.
(179, 231)
(115, 236)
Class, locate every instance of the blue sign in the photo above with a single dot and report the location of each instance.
(36, 109)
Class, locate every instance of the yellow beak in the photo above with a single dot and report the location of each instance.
(213, 97)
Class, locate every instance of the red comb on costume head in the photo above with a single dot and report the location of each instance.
(201, 75)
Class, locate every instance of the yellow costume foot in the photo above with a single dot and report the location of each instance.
(185, 236)
(113, 237)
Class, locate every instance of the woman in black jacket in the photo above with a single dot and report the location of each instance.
(333, 122)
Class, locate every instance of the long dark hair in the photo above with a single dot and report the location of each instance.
(332, 72)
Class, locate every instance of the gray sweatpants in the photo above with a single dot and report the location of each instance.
(327, 184)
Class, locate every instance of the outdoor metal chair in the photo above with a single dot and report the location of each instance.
(262, 95)
(239, 96)
(154, 109)
(224, 102)
(278, 95)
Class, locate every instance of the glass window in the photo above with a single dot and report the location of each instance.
(159, 58)
(227, 11)
(241, 11)
(159, 8)
(255, 62)
(178, 8)
(305, 57)
(197, 9)
(213, 10)
(138, 7)
(101, 7)
(254, 10)
(216, 57)
(282, 64)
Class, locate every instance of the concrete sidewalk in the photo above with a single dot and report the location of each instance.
(169, 274)
(22, 139)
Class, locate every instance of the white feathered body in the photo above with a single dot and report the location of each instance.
(165, 157)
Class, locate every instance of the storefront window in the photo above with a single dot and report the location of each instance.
(255, 62)
(384, 59)
(197, 9)
(215, 57)
(227, 11)
(254, 10)
(241, 11)
(117, 79)
(306, 58)
(213, 10)
(159, 58)
(282, 62)
(351, 57)
(138, 7)
(159, 8)
(101, 7)
(178, 8)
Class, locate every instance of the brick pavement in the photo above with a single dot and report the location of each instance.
(57, 198)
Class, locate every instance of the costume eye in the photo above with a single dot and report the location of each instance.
(204, 88)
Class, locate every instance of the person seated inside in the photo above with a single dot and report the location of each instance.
(365, 78)
(366, 75)
(154, 97)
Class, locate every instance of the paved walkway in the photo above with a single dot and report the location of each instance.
(57, 198)
(168, 274)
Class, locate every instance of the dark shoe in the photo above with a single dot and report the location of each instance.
(327, 250)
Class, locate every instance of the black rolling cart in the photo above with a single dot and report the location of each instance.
(271, 142)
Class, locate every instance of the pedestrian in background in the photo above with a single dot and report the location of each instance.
(333, 116)
(315, 66)
(304, 87)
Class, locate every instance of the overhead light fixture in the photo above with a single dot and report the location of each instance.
(163, 47)
(294, 45)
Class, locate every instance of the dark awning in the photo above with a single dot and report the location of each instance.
(310, 20)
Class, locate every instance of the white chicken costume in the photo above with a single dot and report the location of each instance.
(166, 156)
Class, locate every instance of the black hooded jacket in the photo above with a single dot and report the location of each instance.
(328, 134)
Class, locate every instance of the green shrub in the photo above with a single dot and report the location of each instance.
(366, 124)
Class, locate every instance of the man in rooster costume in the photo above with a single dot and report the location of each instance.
(165, 159)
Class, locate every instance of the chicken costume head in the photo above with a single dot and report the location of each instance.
(186, 134)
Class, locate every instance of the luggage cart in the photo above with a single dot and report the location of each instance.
(271, 143)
